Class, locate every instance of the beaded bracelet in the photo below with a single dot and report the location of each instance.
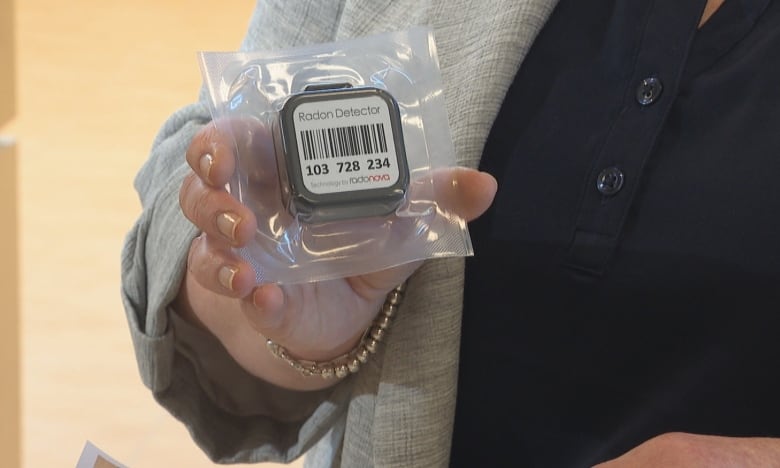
(350, 362)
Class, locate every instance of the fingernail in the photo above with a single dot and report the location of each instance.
(226, 275)
(227, 223)
(206, 161)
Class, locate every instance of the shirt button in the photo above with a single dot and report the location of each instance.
(610, 181)
(648, 91)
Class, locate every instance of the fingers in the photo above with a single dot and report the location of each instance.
(214, 154)
(221, 147)
(218, 269)
(465, 192)
(216, 212)
(224, 221)
(210, 155)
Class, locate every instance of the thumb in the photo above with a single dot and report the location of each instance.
(463, 191)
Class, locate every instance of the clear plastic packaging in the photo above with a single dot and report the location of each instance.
(338, 151)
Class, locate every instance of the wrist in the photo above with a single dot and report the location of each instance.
(348, 362)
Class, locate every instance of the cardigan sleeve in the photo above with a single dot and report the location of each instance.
(233, 416)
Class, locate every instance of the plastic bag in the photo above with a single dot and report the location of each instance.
(338, 147)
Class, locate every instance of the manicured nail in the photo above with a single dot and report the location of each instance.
(226, 275)
(206, 161)
(227, 223)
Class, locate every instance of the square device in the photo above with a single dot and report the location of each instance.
(343, 153)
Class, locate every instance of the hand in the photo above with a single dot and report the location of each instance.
(677, 449)
(314, 321)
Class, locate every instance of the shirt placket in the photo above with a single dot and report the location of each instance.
(647, 97)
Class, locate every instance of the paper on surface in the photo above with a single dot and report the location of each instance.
(93, 457)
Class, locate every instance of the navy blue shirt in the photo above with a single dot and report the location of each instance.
(626, 278)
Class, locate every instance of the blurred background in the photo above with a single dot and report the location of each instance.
(84, 87)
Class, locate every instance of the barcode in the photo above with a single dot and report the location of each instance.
(337, 142)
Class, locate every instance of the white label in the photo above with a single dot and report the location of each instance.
(346, 145)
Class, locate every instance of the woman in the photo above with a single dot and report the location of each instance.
(616, 305)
